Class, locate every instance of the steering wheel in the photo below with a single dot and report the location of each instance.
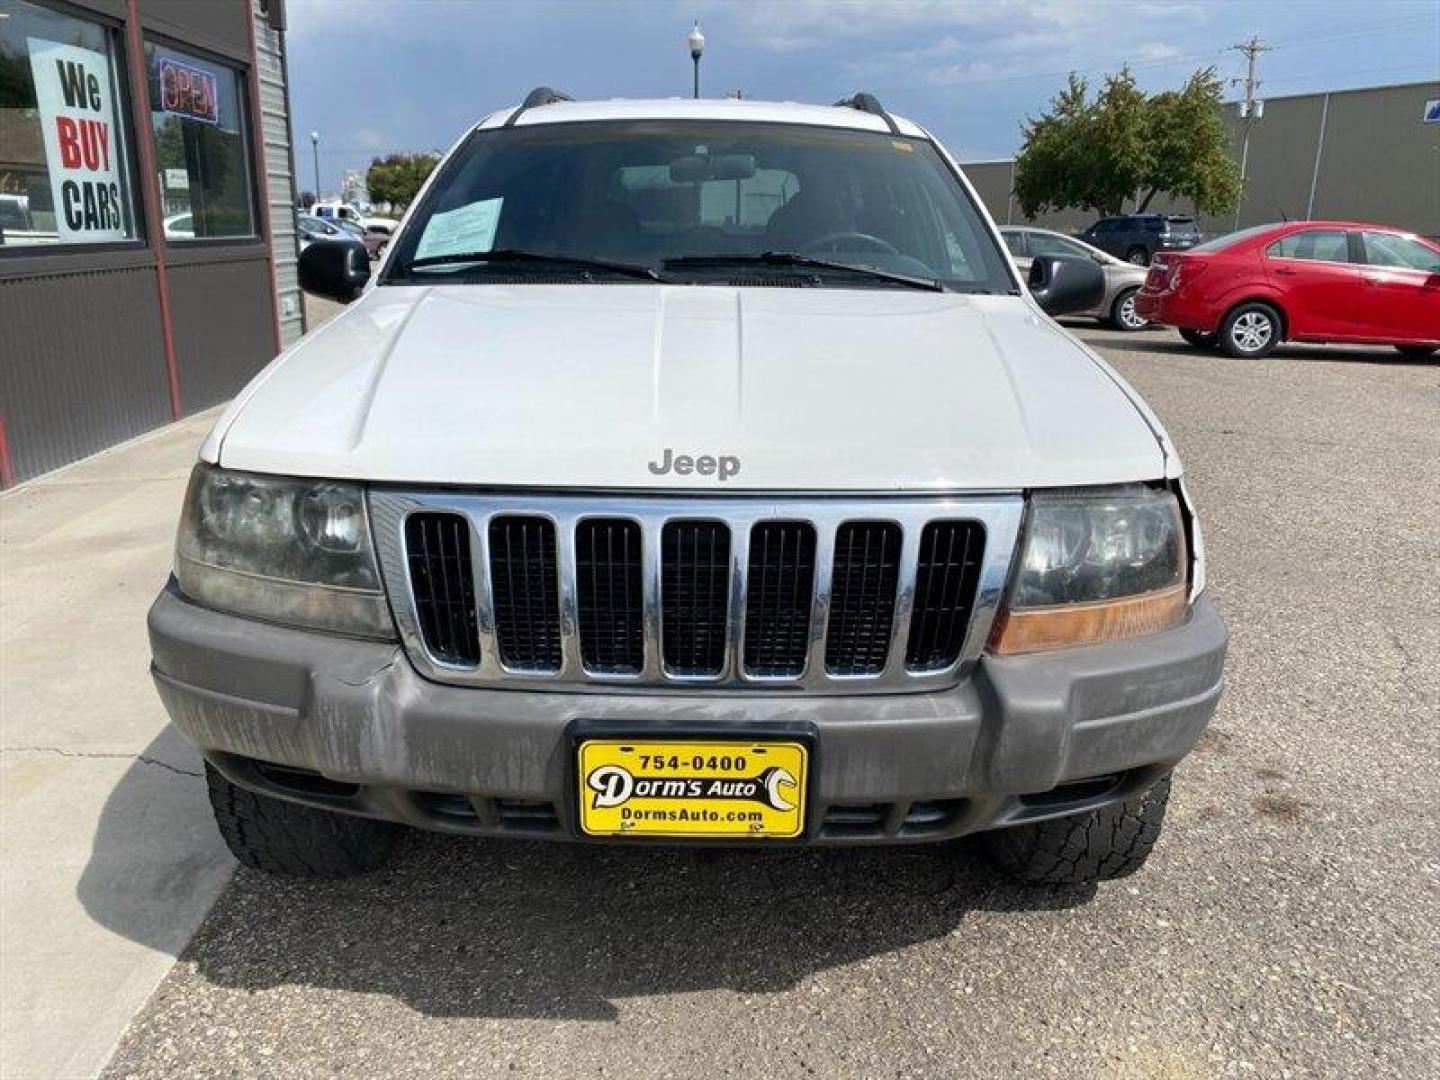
(830, 242)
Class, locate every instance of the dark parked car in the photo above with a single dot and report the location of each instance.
(1137, 237)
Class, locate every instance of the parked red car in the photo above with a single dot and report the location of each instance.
(1301, 281)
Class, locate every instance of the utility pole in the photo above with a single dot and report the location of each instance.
(1250, 109)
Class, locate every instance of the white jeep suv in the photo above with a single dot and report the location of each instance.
(692, 472)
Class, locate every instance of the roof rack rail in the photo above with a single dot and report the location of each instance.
(871, 104)
(541, 95)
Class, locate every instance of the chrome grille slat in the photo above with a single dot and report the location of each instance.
(525, 557)
(942, 606)
(779, 602)
(694, 598)
(609, 600)
(557, 631)
(862, 602)
(440, 556)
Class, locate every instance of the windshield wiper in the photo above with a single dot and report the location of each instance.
(516, 255)
(795, 258)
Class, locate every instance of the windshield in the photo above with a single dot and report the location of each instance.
(665, 195)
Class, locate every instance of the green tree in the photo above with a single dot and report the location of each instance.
(1094, 154)
(1189, 148)
(396, 178)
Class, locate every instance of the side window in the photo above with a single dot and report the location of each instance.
(200, 145)
(1316, 245)
(64, 151)
(1045, 244)
(1015, 243)
(1387, 249)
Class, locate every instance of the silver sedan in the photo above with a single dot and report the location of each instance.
(1122, 280)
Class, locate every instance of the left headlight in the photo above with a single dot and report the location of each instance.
(283, 550)
(1096, 565)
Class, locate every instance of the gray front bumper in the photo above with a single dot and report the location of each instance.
(1022, 738)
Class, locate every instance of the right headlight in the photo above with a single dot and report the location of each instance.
(1097, 564)
(285, 550)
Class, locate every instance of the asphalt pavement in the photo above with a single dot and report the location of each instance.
(1288, 923)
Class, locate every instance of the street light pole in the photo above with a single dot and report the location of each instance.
(696, 41)
(315, 147)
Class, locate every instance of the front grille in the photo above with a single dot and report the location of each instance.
(841, 595)
(611, 603)
(862, 597)
(777, 609)
(443, 584)
(945, 583)
(525, 585)
(694, 596)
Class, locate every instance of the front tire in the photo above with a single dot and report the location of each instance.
(1199, 338)
(1250, 331)
(291, 840)
(1417, 352)
(1137, 256)
(1123, 315)
(1104, 844)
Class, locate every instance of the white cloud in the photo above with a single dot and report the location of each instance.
(1155, 50)
(1193, 13)
(370, 139)
(797, 25)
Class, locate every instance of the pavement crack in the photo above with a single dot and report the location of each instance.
(166, 765)
(103, 755)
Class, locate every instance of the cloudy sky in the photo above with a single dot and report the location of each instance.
(373, 76)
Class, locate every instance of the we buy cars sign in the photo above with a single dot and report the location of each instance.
(77, 115)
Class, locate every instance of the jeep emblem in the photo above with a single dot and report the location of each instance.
(705, 465)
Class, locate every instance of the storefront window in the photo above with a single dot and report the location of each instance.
(64, 166)
(200, 151)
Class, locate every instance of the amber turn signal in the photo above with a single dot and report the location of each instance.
(1055, 627)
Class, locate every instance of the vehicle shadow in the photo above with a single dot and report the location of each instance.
(456, 927)
(156, 863)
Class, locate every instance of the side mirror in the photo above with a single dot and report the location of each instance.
(337, 269)
(1062, 284)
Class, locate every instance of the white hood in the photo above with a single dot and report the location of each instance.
(583, 386)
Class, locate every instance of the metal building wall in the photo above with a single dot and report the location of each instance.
(1378, 162)
(1366, 153)
(1280, 164)
(279, 173)
(993, 182)
(71, 383)
(83, 351)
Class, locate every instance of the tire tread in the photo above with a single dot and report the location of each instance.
(1104, 844)
(291, 840)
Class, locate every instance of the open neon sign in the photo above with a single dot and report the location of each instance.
(188, 91)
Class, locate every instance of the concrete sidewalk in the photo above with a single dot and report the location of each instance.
(108, 858)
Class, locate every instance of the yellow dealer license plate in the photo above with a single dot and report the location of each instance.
(690, 788)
